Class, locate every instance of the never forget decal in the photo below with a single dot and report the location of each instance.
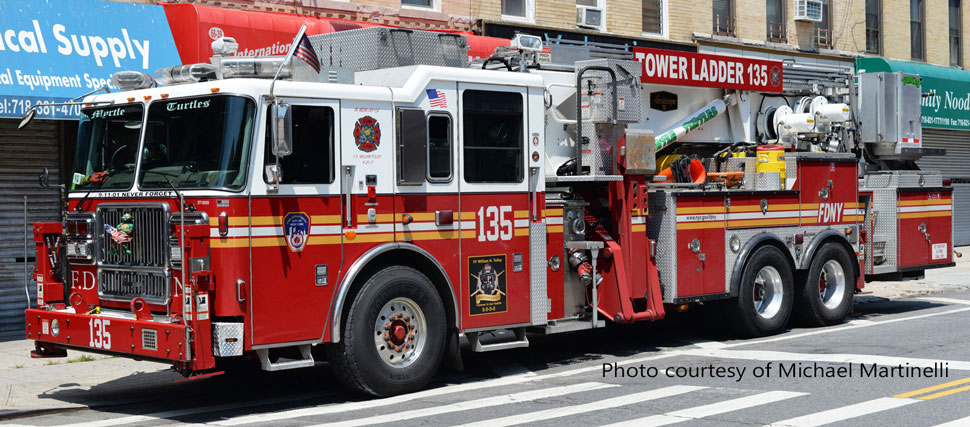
(296, 226)
(367, 134)
(487, 285)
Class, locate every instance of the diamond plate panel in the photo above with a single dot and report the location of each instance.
(791, 172)
(662, 227)
(380, 47)
(768, 181)
(538, 296)
(885, 211)
(227, 339)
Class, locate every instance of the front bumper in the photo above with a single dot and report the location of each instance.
(113, 333)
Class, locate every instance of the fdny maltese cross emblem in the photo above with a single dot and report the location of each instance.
(367, 134)
(297, 229)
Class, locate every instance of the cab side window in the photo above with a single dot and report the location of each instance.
(493, 136)
(313, 140)
(439, 147)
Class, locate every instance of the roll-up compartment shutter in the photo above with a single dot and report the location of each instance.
(955, 165)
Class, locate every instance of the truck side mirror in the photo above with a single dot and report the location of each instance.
(282, 129)
(45, 178)
(27, 118)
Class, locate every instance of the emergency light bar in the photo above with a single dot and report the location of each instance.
(132, 80)
(258, 67)
(191, 73)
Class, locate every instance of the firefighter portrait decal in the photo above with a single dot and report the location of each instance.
(367, 134)
(297, 228)
(487, 285)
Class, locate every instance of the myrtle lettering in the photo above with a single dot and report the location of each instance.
(103, 114)
(191, 105)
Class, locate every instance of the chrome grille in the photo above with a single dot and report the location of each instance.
(149, 243)
(125, 285)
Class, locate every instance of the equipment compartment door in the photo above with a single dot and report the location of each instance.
(494, 186)
(296, 235)
(925, 227)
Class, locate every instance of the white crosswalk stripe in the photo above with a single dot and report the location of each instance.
(559, 412)
(962, 422)
(709, 410)
(845, 412)
(526, 396)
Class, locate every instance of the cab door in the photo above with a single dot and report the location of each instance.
(296, 239)
(494, 196)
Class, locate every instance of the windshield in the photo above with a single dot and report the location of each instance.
(107, 142)
(197, 143)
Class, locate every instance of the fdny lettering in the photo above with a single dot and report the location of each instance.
(830, 212)
(82, 280)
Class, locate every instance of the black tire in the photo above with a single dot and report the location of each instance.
(832, 269)
(400, 297)
(769, 314)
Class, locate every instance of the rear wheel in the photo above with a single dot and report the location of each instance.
(393, 336)
(765, 294)
(825, 297)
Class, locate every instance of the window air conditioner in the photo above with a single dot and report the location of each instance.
(808, 10)
(591, 17)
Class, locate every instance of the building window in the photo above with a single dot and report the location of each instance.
(518, 10)
(653, 17)
(430, 4)
(874, 26)
(917, 33)
(823, 30)
(493, 136)
(775, 17)
(724, 21)
(589, 13)
(956, 57)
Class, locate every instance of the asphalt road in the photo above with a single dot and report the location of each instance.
(685, 370)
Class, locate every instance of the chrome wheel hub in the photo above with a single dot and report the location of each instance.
(831, 284)
(400, 332)
(768, 292)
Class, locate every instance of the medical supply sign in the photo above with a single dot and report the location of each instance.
(55, 50)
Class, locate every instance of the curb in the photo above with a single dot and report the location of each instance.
(12, 414)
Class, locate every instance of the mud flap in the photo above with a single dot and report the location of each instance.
(452, 359)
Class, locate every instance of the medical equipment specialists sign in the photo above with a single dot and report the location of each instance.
(55, 50)
(670, 67)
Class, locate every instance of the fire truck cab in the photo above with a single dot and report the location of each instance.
(379, 211)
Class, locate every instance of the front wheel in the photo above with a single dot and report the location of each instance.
(765, 294)
(393, 336)
(826, 295)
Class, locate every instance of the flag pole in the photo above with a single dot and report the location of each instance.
(286, 59)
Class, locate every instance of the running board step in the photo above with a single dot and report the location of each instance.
(267, 365)
(474, 338)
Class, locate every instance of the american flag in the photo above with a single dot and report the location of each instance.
(117, 235)
(437, 98)
(304, 51)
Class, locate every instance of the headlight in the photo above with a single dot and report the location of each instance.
(735, 243)
(55, 327)
(176, 254)
(71, 249)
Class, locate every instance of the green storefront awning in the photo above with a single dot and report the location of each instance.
(948, 103)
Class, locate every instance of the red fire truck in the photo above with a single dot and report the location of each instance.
(400, 200)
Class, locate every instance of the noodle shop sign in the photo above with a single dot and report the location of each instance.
(669, 67)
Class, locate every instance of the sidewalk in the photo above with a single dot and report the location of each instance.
(49, 385)
(937, 280)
